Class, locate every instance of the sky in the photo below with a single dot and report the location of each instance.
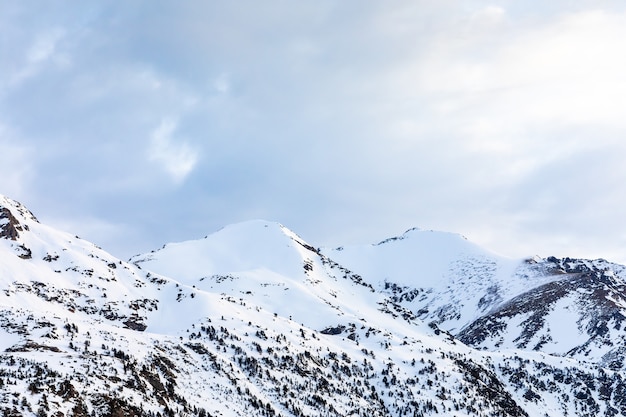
(137, 123)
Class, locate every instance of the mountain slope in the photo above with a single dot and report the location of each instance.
(442, 277)
(252, 320)
(565, 307)
(579, 314)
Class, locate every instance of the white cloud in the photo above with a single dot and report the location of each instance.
(489, 15)
(44, 45)
(514, 96)
(177, 159)
(566, 71)
(222, 83)
(42, 51)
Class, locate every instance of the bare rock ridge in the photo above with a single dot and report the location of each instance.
(9, 225)
(253, 320)
(590, 292)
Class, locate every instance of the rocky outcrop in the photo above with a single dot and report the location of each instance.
(9, 226)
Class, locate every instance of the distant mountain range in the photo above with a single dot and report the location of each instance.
(254, 321)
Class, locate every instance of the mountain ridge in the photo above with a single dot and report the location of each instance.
(253, 320)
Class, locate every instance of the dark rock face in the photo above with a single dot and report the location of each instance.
(333, 330)
(134, 324)
(591, 293)
(9, 226)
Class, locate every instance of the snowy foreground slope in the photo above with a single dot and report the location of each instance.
(252, 321)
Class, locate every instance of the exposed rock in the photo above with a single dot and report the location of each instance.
(135, 324)
(9, 226)
(333, 330)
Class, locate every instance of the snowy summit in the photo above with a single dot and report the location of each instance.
(253, 320)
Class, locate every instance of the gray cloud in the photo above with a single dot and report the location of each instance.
(347, 121)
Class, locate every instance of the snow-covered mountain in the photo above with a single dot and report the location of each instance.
(565, 307)
(252, 320)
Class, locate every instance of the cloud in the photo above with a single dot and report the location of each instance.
(564, 71)
(222, 83)
(488, 16)
(510, 95)
(345, 120)
(177, 159)
(44, 45)
(42, 51)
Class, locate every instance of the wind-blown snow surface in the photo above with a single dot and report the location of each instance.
(268, 265)
(253, 320)
(453, 281)
(563, 307)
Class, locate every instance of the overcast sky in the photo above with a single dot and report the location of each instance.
(136, 123)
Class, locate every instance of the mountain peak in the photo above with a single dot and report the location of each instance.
(252, 227)
(252, 320)
(416, 232)
(244, 246)
(14, 218)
